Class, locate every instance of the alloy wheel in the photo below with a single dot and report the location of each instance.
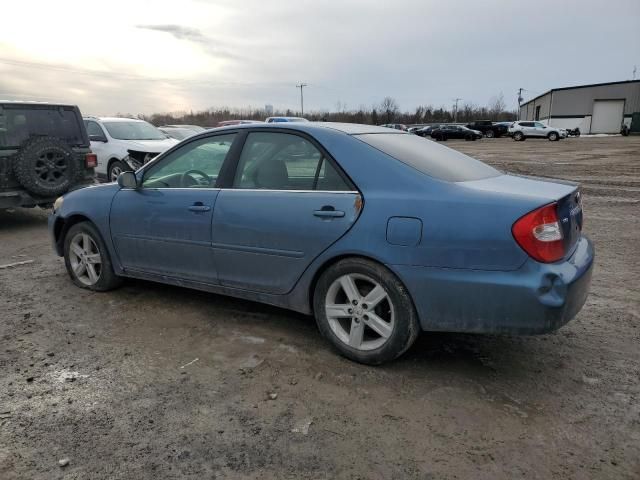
(85, 259)
(116, 170)
(51, 167)
(359, 311)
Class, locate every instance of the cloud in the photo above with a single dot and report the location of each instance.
(178, 31)
(211, 46)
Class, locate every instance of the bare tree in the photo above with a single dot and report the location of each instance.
(497, 105)
(390, 108)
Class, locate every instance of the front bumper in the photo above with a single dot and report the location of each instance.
(536, 298)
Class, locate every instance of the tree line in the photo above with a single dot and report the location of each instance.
(387, 111)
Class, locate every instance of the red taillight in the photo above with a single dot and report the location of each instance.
(91, 160)
(540, 235)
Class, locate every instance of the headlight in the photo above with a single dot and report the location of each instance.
(57, 205)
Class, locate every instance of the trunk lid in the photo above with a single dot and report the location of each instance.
(534, 192)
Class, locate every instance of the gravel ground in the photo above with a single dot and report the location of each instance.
(152, 381)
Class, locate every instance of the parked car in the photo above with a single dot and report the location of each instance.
(177, 132)
(425, 131)
(285, 119)
(446, 132)
(226, 123)
(520, 131)
(124, 144)
(44, 152)
(488, 128)
(287, 215)
(396, 126)
(195, 128)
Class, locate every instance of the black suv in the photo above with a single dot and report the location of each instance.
(489, 129)
(44, 152)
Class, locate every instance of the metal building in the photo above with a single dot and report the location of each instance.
(597, 108)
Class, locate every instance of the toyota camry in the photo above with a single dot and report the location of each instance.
(377, 233)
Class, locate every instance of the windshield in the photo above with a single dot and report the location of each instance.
(133, 131)
(429, 157)
(179, 133)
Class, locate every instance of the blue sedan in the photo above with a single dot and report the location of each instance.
(377, 233)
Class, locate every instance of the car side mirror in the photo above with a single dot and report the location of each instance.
(127, 180)
(98, 138)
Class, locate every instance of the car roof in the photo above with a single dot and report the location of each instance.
(348, 128)
(112, 119)
(36, 103)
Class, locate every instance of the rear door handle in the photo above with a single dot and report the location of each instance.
(199, 207)
(328, 212)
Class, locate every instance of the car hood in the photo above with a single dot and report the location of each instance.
(151, 146)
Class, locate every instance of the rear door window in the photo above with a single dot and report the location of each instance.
(19, 123)
(281, 161)
(429, 157)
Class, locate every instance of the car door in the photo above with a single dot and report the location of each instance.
(98, 140)
(540, 129)
(288, 202)
(164, 226)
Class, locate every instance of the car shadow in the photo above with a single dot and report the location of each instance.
(469, 357)
(17, 218)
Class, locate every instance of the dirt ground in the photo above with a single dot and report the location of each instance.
(158, 382)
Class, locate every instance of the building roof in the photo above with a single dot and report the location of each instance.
(578, 86)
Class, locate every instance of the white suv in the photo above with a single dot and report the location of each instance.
(523, 130)
(123, 144)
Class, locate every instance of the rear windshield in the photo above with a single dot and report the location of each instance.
(18, 123)
(429, 157)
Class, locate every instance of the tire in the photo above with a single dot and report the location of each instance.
(79, 266)
(518, 136)
(45, 166)
(489, 134)
(115, 169)
(355, 334)
(553, 137)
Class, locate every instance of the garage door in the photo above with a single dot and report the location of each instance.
(607, 116)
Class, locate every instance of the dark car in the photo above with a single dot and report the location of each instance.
(44, 153)
(424, 131)
(490, 129)
(423, 238)
(445, 132)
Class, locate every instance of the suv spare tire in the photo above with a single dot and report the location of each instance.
(45, 166)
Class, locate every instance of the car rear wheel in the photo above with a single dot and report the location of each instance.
(489, 134)
(518, 136)
(364, 311)
(87, 259)
(553, 137)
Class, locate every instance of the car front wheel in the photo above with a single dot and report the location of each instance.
(518, 136)
(115, 169)
(553, 137)
(490, 134)
(87, 258)
(364, 311)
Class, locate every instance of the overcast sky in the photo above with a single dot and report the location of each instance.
(135, 56)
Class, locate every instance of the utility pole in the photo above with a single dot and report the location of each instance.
(455, 113)
(301, 86)
(635, 68)
(519, 100)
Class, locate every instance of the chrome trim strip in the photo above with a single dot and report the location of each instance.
(260, 250)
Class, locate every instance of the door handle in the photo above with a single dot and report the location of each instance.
(328, 212)
(199, 207)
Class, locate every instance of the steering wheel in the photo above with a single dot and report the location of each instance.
(186, 180)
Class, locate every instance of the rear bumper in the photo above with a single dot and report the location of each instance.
(22, 198)
(537, 298)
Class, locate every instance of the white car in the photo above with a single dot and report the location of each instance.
(522, 130)
(124, 144)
